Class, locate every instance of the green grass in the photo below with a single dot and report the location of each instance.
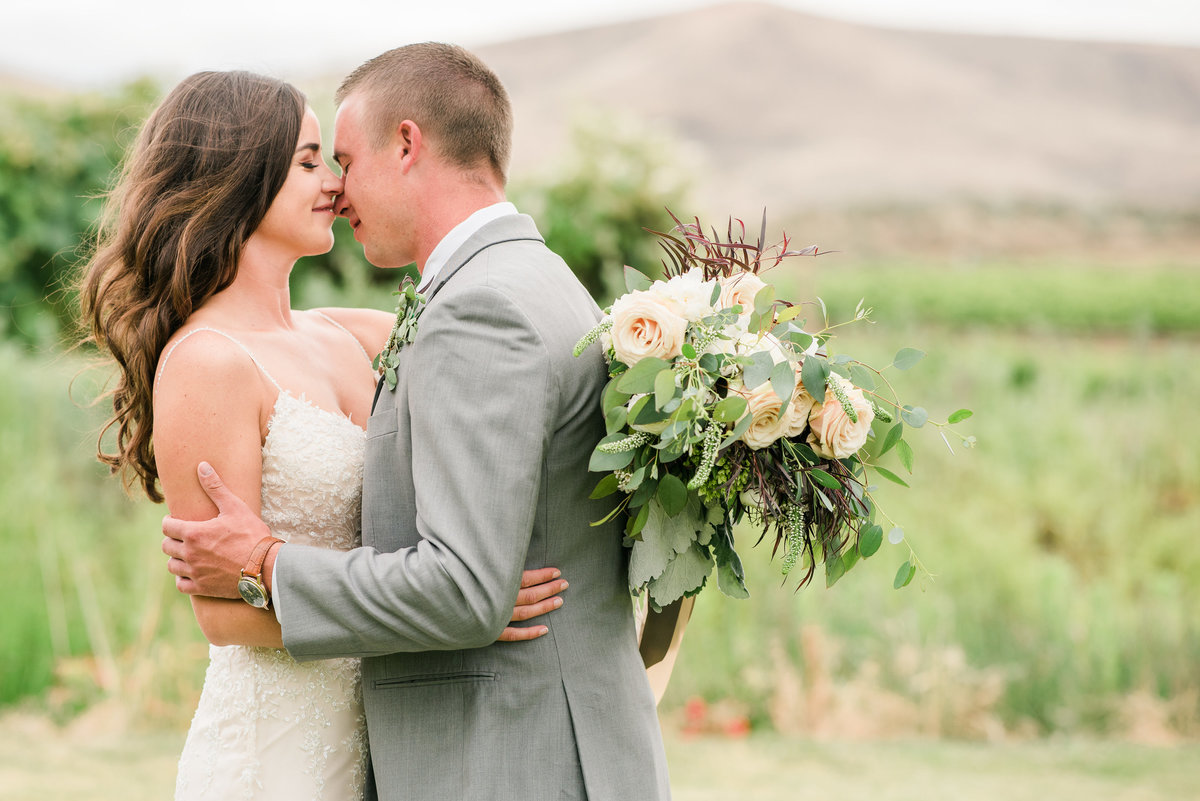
(1038, 297)
(1066, 595)
(89, 763)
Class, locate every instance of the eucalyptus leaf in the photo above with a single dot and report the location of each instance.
(638, 521)
(616, 418)
(729, 409)
(862, 377)
(907, 358)
(636, 280)
(783, 381)
(743, 425)
(869, 540)
(824, 479)
(664, 387)
(603, 462)
(834, 569)
(606, 487)
(789, 313)
(672, 494)
(893, 436)
(640, 377)
(814, 373)
(905, 452)
(896, 535)
(959, 416)
(915, 416)
(764, 299)
(890, 476)
(759, 370)
(688, 351)
(731, 576)
(904, 575)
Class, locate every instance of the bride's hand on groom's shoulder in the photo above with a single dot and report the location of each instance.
(207, 556)
(539, 595)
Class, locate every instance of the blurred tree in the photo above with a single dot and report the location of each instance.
(616, 180)
(60, 153)
(56, 157)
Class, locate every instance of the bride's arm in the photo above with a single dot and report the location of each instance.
(209, 405)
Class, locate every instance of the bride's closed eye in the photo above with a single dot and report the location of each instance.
(309, 165)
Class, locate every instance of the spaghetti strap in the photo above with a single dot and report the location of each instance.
(179, 342)
(339, 325)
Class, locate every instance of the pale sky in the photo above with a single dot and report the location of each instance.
(97, 42)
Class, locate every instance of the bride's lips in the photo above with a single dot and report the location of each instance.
(328, 208)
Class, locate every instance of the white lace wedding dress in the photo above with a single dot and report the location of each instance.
(267, 727)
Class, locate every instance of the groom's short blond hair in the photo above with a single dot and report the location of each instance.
(447, 91)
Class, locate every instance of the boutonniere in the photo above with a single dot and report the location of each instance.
(408, 311)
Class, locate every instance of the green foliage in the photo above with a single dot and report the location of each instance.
(593, 208)
(56, 158)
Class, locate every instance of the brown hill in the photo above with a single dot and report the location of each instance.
(771, 106)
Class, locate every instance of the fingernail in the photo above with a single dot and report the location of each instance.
(564, 586)
(205, 469)
(544, 630)
(557, 573)
(558, 602)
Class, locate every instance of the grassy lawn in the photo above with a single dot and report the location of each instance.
(87, 762)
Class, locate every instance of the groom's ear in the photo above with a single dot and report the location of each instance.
(408, 143)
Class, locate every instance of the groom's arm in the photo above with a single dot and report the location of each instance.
(480, 407)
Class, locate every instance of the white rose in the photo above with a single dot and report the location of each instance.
(739, 289)
(645, 324)
(834, 435)
(689, 292)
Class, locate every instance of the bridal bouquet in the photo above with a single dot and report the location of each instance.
(723, 407)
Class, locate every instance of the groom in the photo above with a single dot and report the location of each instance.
(476, 468)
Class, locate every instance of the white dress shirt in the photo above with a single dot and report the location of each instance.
(441, 254)
(457, 236)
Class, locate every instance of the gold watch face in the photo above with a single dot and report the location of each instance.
(253, 592)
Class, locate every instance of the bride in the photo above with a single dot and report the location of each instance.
(224, 190)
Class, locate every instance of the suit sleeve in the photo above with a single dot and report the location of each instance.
(479, 403)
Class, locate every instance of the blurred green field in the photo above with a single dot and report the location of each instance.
(1066, 597)
(82, 764)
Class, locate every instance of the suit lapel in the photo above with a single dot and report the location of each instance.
(511, 228)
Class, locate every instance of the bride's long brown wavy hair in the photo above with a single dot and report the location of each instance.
(199, 179)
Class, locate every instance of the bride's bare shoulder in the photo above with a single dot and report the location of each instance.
(370, 326)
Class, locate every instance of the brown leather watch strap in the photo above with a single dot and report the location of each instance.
(254, 566)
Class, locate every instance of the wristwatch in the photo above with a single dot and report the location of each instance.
(251, 586)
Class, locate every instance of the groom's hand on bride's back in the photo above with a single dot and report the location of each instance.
(207, 556)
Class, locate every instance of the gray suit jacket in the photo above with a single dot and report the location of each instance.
(476, 469)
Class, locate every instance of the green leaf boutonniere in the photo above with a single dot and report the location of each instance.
(408, 311)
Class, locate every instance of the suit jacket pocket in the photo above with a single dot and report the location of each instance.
(383, 423)
(431, 679)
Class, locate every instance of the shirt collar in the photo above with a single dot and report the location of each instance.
(458, 235)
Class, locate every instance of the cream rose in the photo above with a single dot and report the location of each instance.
(763, 405)
(834, 435)
(646, 324)
(796, 416)
(739, 289)
(689, 292)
